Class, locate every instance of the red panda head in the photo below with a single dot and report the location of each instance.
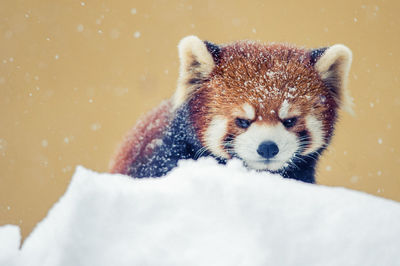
(266, 104)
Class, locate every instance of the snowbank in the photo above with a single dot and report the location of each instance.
(10, 238)
(207, 214)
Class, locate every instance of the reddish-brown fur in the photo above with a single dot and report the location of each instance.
(136, 142)
(238, 79)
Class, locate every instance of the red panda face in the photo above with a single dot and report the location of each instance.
(265, 104)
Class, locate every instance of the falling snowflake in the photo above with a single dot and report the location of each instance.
(45, 143)
(80, 28)
(136, 34)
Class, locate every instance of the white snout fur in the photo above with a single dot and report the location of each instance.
(246, 146)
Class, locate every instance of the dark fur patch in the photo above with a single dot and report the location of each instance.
(303, 167)
(304, 137)
(195, 64)
(316, 54)
(214, 50)
(228, 144)
(193, 81)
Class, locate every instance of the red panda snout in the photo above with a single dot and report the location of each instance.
(266, 147)
(265, 139)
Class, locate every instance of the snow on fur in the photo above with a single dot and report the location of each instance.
(203, 213)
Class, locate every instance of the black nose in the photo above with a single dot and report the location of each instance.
(268, 149)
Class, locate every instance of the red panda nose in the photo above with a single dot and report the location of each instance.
(268, 149)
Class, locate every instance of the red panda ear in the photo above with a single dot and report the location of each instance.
(333, 65)
(197, 60)
(214, 50)
(316, 54)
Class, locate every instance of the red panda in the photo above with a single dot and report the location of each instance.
(273, 106)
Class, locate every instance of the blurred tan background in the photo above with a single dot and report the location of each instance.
(76, 75)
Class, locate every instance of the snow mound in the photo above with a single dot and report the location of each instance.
(203, 213)
(10, 237)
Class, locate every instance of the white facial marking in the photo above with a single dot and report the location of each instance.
(214, 135)
(284, 110)
(246, 146)
(314, 126)
(249, 111)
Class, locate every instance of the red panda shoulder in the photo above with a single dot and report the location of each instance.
(138, 141)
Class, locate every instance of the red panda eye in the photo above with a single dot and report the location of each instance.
(242, 123)
(290, 122)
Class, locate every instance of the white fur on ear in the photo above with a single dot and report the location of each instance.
(333, 67)
(196, 63)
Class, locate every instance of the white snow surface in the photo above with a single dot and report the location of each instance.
(203, 213)
(10, 239)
